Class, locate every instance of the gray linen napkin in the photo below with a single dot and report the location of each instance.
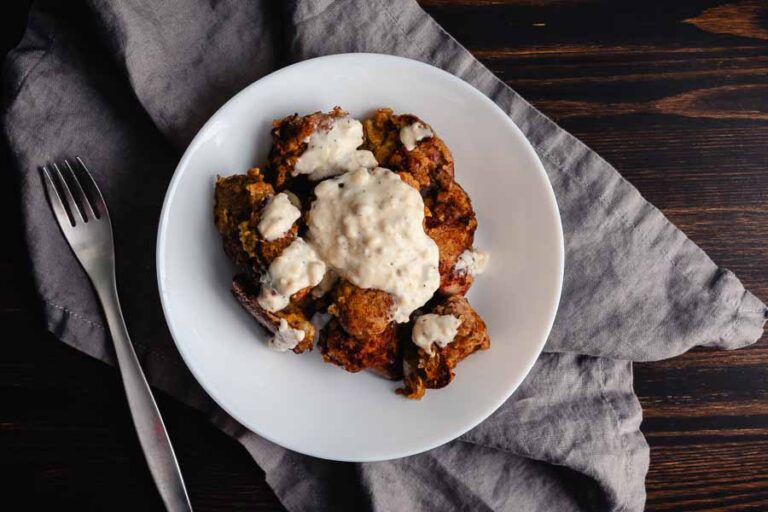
(130, 91)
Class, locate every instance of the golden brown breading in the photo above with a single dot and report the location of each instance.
(451, 240)
(361, 334)
(452, 224)
(430, 162)
(237, 211)
(235, 198)
(288, 144)
(423, 371)
(453, 206)
(450, 220)
(262, 251)
(379, 352)
(409, 179)
(362, 312)
(246, 292)
(455, 283)
(233, 203)
(382, 135)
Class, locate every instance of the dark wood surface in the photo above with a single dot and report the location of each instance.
(673, 93)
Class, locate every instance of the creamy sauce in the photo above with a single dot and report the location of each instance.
(367, 226)
(438, 329)
(471, 262)
(286, 338)
(295, 269)
(329, 281)
(413, 133)
(293, 198)
(278, 217)
(333, 150)
(319, 320)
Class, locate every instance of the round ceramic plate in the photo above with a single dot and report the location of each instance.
(298, 401)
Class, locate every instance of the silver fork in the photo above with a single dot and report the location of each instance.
(84, 220)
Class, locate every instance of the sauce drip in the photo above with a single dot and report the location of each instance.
(367, 226)
(437, 329)
(298, 267)
(471, 262)
(286, 338)
(332, 150)
(278, 217)
(413, 133)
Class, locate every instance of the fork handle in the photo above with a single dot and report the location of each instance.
(146, 416)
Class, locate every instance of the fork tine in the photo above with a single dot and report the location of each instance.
(97, 200)
(83, 200)
(71, 203)
(55, 201)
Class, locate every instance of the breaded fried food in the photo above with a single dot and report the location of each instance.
(362, 312)
(379, 352)
(430, 162)
(289, 141)
(450, 219)
(423, 371)
(239, 200)
(451, 223)
(361, 335)
(246, 293)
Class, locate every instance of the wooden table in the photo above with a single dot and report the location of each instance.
(673, 93)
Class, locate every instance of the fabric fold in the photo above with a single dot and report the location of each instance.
(589, 413)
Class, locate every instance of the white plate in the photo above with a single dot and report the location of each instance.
(298, 401)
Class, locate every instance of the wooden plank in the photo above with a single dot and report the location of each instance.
(674, 94)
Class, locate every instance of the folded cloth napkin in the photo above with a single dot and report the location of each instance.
(129, 90)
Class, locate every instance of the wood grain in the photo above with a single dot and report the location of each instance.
(724, 102)
(744, 19)
(740, 483)
(674, 94)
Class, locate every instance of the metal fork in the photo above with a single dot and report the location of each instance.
(84, 220)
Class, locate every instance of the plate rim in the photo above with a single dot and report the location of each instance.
(160, 245)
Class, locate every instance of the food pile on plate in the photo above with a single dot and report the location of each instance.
(355, 237)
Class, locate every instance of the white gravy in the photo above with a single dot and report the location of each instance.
(295, 269)
(471, 262)
(333, 150)
(278, 217)
(438, 329)
(413, 133)
(367, 226)
(286, 338)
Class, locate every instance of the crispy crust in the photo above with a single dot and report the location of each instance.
(379, 352)
(452, 224)
(450, 218)
(363, 313)
(423, 371)
(239, 200)
(430, 162)
(288, 144)
(360, 334)
(246, 292)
